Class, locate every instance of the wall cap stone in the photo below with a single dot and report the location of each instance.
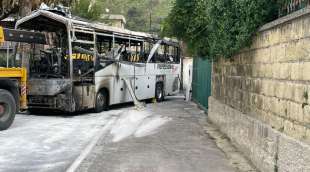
(285, 19)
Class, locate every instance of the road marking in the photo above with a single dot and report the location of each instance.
(77, 162)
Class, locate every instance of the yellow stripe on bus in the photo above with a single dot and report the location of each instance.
(79, 56)
(1, 35)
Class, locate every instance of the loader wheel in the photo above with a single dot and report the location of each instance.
(7, 109)
(101, 101)
(159, 92)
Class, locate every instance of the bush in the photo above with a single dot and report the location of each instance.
(218, 28)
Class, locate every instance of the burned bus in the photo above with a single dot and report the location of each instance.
(86, 65)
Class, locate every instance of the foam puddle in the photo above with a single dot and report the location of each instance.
(136, 123)
(149, 127)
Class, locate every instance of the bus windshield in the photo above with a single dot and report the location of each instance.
(46, 60)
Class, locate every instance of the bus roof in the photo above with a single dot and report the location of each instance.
(80, 23)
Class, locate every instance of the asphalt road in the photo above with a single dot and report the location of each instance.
(164, 137)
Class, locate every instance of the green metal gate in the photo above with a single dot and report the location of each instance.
(201, 84)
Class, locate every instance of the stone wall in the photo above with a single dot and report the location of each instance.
(261, 97)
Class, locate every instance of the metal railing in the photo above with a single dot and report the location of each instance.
(293, 5)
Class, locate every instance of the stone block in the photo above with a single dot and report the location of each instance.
(296, 71)
(261, 70)
(306, 94)
(304, 50)
(255, 71)
(305, 25)
(294, 130)
(276, 122)
(291, 52)
(267, 104)
(275, 36)
(280, 89)
(284, 71)
(280, 53)
(276, 70)
(268, 71)
(288, 126)
(299, 93)
(289, 91)
(281, 107)
(295, 112)
(305, 71)
(306, 116)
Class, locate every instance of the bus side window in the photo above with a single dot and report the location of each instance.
(146, 50)
(136, 52)
(149, 48)
(171, 55)
(140, 57)
(160, 56)
(104, 44)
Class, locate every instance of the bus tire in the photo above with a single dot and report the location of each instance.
(7, 109)
(159, 92)
(101, 101)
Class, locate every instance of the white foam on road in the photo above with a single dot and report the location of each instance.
(138, 123)
(53, 143)
(150, 126)
(127, 124)
(48, 143)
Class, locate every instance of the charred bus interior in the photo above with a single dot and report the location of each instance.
(49, 81)
(48, 60)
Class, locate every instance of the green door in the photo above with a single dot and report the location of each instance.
(201, 84)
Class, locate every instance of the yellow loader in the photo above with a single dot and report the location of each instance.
(13, 91)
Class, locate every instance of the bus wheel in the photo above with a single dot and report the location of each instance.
(7, 109)
(159, 92)
(101, 101)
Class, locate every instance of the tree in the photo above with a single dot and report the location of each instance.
(218, 28)
(89, 9)
(8, 7)
(138, 12)
(23, 7)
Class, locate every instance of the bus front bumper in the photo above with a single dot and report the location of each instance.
(60, 102)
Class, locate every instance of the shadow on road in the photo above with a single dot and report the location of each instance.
(49, 112)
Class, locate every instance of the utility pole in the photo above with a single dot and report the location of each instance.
(151, 3)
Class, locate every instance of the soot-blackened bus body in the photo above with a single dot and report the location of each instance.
(85, 65)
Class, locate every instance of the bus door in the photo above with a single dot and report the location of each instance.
(144, 81)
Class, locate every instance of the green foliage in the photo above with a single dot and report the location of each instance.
(85, 9)
(138, 13)
(218, 28)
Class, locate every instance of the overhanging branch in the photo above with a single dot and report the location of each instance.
(8, 9)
